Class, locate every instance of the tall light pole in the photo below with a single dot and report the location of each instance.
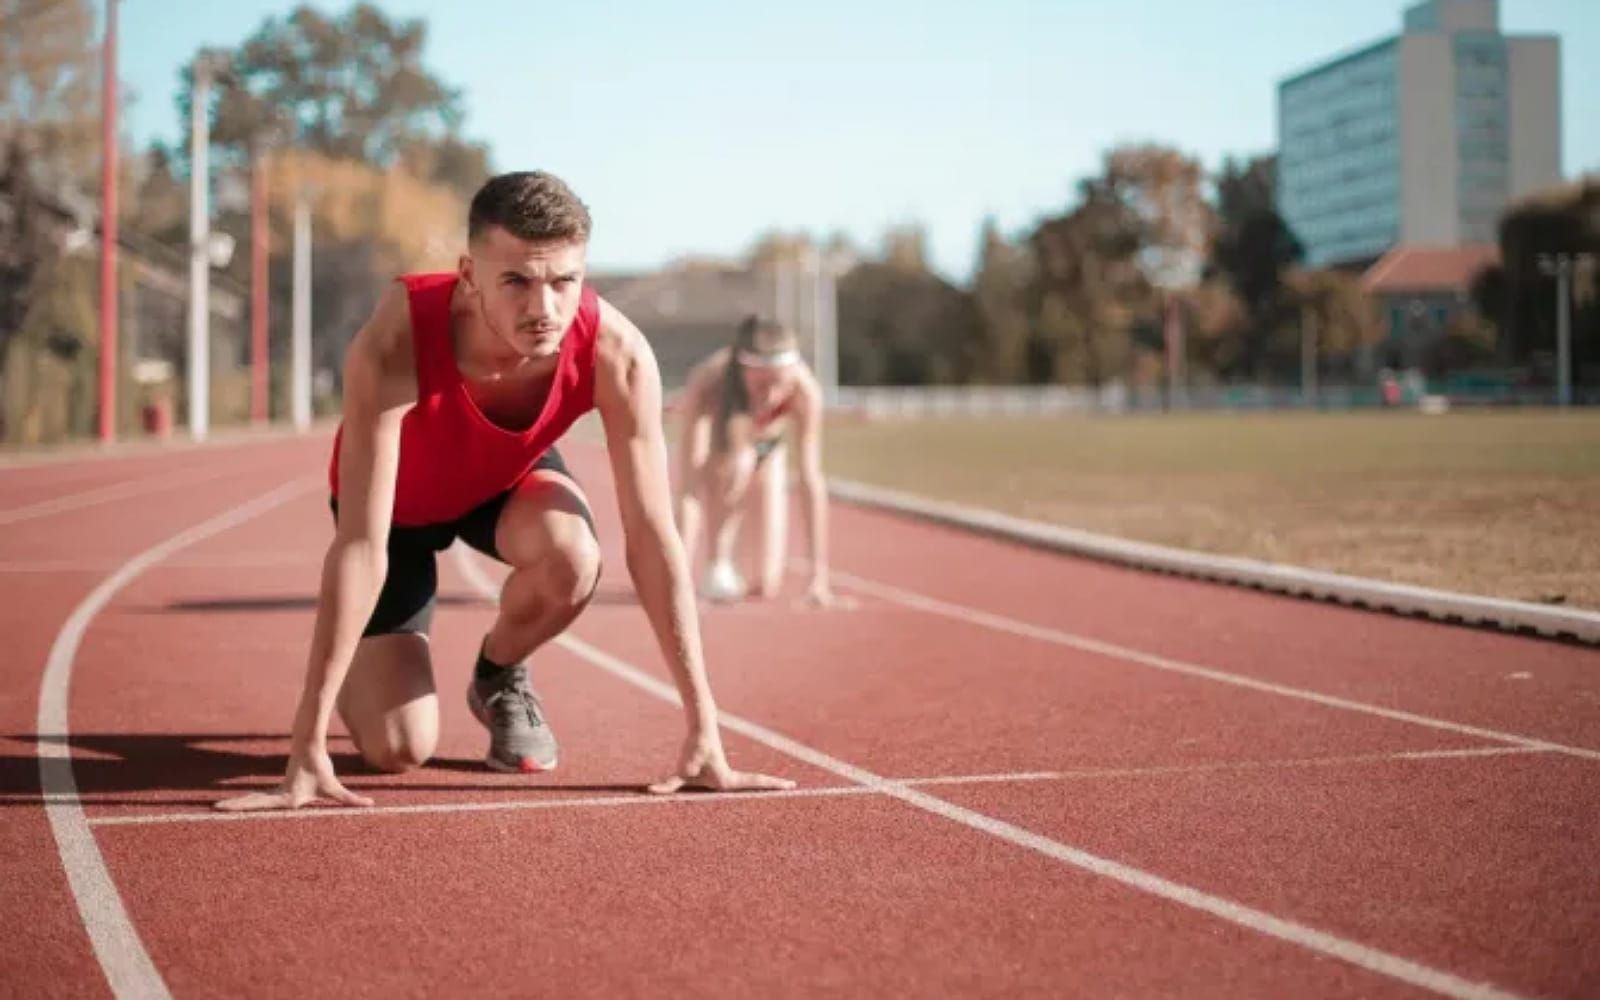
(258, 283)
(108, 227)
(1308, 357)
(1562, 265)
(300, 333)
(200, 252)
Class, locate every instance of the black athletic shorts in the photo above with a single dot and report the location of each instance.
(410, 590)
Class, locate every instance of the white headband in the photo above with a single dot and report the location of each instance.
(777, 359)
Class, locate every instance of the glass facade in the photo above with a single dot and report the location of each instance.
(1339, 156)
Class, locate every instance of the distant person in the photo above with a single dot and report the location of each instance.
(1389, 388)
(735, 411)
(455, 393)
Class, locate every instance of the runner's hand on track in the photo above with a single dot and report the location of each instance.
(310, 778)
(705, 766)
(820, 595)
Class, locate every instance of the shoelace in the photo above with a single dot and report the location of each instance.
(516, 697)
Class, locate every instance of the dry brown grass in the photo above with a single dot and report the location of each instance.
(1505, 504)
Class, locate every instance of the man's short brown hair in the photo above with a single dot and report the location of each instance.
(530, 205)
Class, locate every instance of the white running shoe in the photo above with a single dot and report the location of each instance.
(724, 584)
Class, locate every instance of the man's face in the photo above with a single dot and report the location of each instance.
(528, 290)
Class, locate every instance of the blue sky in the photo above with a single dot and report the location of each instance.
(691, 127)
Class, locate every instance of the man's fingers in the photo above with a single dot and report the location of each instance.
(345, 796)
(254, 802)
(669, 786)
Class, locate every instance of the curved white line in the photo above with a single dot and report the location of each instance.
(116, 944)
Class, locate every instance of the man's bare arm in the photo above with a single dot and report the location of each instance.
(628, 396)
(378, 389)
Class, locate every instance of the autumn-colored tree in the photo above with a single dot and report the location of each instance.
(999, 292)
(351, 87)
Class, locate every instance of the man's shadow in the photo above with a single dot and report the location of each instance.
(298, 602)
(199, 768)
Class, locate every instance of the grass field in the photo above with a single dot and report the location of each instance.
(1498, 503)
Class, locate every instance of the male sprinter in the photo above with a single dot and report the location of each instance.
(455, 392)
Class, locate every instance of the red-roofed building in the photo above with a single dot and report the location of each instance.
(1419, 290)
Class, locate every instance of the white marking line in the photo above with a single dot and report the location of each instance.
(116, 943)
(1215, 766)
(643, 798)
(999, 623)
(640, 798)
(116, 491)
(1310, 938)
(245, 561)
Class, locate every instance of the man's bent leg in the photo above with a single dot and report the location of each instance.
(544, 532)
(388, 701)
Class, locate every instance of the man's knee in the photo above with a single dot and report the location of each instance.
(563, 568)
(397, 756)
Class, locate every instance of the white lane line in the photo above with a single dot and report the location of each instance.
(640, 798)
(116, 491)
(1217, 766)
(116, 943)
(1322, 942)
(244, 561)
(643, 798)
(1012, 626)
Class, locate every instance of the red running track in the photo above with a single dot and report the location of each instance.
(1020, 774)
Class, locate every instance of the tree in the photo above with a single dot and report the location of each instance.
(1087, 288)
(905, 248)
(999, 293)
(350, 87)
(1253, 250)
(1521, 298)
(1214, 316)
(49, 77)
(1342, 317)
(49, 147)
(899, 326)
(1163, 190)
(369, 225)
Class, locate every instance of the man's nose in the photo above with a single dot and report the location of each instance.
(542, 304)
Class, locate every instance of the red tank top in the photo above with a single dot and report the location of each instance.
(452, 457)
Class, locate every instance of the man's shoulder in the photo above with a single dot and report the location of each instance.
(384, 343)
(618, 339)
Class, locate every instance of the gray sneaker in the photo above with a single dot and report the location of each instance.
(520, 740)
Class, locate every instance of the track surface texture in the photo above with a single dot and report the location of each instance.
(1019, 775)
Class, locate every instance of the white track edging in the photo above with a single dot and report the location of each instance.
(1296, 581)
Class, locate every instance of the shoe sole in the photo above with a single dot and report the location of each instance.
(527, 766)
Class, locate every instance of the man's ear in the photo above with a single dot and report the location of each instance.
(464, 269)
